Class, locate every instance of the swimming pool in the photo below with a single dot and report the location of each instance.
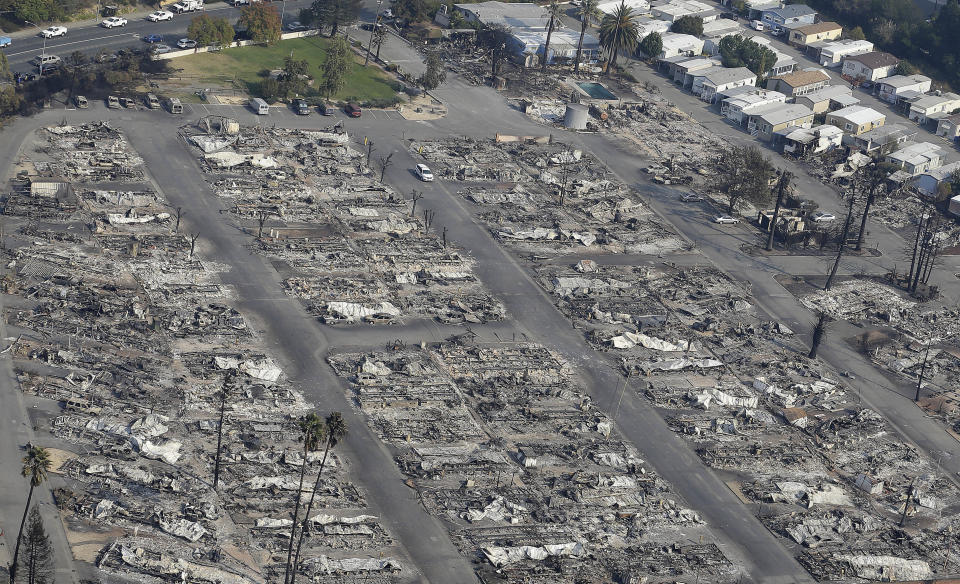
(596, 91)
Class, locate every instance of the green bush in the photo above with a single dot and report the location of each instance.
(381, 102)
(392, 67)
(269, 89)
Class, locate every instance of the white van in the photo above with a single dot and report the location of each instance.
(757, 25)
(259, 106)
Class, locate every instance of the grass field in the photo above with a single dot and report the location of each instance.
(245, 65)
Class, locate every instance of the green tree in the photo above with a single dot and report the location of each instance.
(737, 51)
(554, 12)
(293, 78)
(336, 13)
(856, 33)
(618, 32)
(36, 463)
(435, 74)
(689, 24)
(36, 563)
(313, 432)
(262, 23)
(336, 429)
(10, 100)
(588, 13)
(33, 10)
(76, 66)
(904, 67)
(652, 45)
(207, 30)
(335, 66)
(4, 67)
(744, 174)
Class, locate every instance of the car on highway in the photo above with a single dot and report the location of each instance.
(353, 110)
(113, 21)
(53, 32)
(822, 217)
(726, 220)
(424, 173)
(301, 107)
(161, 49)
(160, 15)
(325, 109)
(187, 44)
(690, 197)
(153, 38)
(296, 26)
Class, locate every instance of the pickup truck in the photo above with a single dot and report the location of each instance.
(187, 6)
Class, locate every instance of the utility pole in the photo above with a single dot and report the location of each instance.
(781, 187)
(373, 32)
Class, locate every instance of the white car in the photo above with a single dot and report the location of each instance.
(161, 49)
(160, 15)
(53, 31)
(423, 172)
(821, 217)
(113, 21)
(690, 197)
(726, 220)
(187, 44)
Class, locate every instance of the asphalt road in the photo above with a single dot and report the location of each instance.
(89, 38)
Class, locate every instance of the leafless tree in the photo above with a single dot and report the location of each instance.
(193, 243)
(179, 215)
(842, 245)
(428, 215)
(385, 162)
(415, 196)
(262, 215)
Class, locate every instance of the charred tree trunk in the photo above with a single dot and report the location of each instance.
(842, 246)
(819, 332)
(781, 187)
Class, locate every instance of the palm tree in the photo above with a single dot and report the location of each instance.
(313, 432)
(587, 12)
(336, 429)
(36, 463)
(554, 12)
(618, 32)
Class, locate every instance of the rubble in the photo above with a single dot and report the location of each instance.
(125, 328)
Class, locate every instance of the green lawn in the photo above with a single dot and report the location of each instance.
(245, 64)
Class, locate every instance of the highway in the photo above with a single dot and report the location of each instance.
(89, 37)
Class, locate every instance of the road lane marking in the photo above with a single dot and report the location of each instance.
(135, 35)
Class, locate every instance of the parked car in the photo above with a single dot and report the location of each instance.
(690, 197)
(729, 16)
(187, 44)
(53, 32)
(726, 220)
(160, 15)
(325, 109)
(301, 107)
(113, 22)
(296, 26)
(423, 173)
(113, 102)
(822, 217)
(128, 102)
(353, 110)
(153, 38)
(161, 49)
(5, 41)
(80, 101)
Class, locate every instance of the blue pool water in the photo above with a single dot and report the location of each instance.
(596, 91)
